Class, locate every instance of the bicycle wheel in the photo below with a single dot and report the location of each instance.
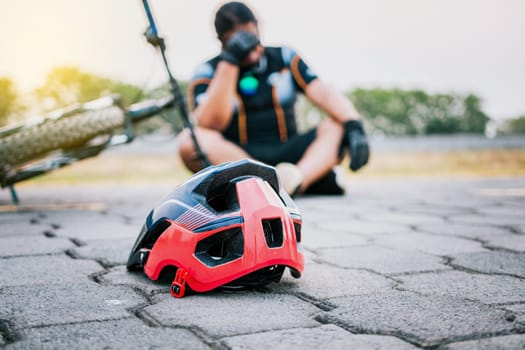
(68, 132)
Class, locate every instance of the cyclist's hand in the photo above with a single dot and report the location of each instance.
(357, 143)
(239, 46)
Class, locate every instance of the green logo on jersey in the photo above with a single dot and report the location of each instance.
(248, 85)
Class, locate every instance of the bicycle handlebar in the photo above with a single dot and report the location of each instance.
(145, 109)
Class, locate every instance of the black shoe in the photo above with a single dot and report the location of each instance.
(331, 184)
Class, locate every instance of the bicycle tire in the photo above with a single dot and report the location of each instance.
(59, 134)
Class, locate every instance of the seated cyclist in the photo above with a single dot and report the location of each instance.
(243, 102)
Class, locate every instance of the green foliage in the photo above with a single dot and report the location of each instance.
(308, 115)
(514, 126)
(414, 112)
(68, 85)
(473, 119)
(8, 100)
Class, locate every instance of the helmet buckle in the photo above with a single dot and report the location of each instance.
(178, 286)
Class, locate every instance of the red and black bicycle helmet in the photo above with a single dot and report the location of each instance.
(229, 225)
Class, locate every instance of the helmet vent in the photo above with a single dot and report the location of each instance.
(221, 247)
(273, 232)
(297, 228)
(223, 198)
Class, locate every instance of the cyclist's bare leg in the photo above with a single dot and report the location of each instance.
(213, 144)
(322, 154)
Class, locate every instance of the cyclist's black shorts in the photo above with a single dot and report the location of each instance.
(273, 153)
(291, 151)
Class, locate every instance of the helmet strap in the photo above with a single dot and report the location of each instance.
(178, 286)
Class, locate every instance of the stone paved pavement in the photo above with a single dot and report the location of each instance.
(429, 263)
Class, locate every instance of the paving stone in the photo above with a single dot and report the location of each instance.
(323, 281)
(462, 201)
(46, 269)
(134, 211)
(381, 260)
(32, 245)
(494, 220)
(93, 226)
(119, 275)
(427, 321)
(315, 238)
(484, 288)
(480, 232)
(518, 310)
(519, 228)
(21, 224)
(328, 213)
(221, 315)
(512, 242)
(499, 194)
(427, 243)
(109, 251)
(315, 204)
(493, 262)
(7, 332)
(389, 191)
(14, 217)
(434, 209)
(125, 333)
(52, 198)
(359, 227)
(324, 337)
(507, 342)
(342, 207)
(503, 210)
(45, 305)
(403, 218)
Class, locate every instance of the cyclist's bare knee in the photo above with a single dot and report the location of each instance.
(185, 144)
(330, 129)
(207, 139)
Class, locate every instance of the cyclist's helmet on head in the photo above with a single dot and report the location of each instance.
(228, 226)
(230, 15)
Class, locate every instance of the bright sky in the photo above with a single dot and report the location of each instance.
(439, 45)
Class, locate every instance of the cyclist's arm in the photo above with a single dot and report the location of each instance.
(331, 101)
(215, 110)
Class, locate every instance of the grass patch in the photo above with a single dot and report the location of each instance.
(134, 169)
(118, 169)
(486, 163)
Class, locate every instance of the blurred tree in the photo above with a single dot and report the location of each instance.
(474, 119)
(411, 112)
(68, 85)
(308, 115)
(514, 126)
(8, 100)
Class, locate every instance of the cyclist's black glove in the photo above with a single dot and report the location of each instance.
(239, 46)
(355, 138)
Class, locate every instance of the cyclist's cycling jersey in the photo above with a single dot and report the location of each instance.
(266, 94)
